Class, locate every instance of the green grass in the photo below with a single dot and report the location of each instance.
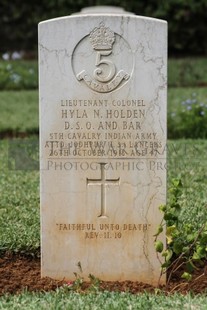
(19, 189)
(187, 72)
(62, 299)
(19, 203)
(19, 74)
(19, 111)
(19, 192)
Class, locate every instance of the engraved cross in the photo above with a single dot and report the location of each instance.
(103, 182)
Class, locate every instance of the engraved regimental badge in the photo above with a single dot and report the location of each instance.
(103, 53)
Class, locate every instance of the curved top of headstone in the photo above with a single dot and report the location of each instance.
(103, 9)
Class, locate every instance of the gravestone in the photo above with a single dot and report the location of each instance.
(102, 144)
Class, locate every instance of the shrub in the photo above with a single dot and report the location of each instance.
(18, 75)
(186, 247)
(189, 121)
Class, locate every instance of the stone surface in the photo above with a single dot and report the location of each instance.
(103, 9)
(102, 139)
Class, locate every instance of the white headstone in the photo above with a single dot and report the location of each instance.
(103, 9)
(102, 137)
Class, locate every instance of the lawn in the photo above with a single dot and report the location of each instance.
(19, 192)
(187, 71)
(19, 109)
(20, 226)
(63, 299)
(182, 72)
(176, 95)
(19, 189)
(19, 204)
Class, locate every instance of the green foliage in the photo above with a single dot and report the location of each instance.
(186, 25)
(187, 161)
(78, 284)
(159, 246)
(185, 245)
(189, 71)
(18, 75)
(94, 283)
(189, 120)
(186, 20)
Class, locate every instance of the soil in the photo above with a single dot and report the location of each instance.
(18, 273)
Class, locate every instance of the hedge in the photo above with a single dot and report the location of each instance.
(186, 19)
